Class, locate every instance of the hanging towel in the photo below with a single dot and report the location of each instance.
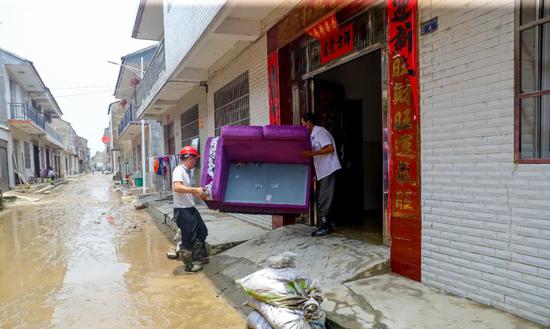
(158, 166)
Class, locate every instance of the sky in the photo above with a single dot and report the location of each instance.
(69, 43)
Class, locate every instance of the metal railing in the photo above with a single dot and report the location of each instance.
(129, 116)
(53, 133)
(156, 66)
(24, 111)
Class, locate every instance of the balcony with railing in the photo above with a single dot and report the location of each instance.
(156, 67)
(129, 116)
(25, 112)
(32, 121)
(54, 135)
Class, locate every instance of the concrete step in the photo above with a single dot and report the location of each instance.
(224, 230)
(263, 221)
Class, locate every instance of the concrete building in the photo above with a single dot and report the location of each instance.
(83, 154)
(29, 143)
(125, 147)
(70, 161)
(439, 112)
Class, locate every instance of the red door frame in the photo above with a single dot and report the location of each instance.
(402, 45)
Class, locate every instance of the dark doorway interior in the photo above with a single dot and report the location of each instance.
(48, 159)
(5, 184)
(36, 155)
(348, 100)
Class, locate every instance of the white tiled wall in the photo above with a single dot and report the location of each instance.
(254, 60)
(486, 220)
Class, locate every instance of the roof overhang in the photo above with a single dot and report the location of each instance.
(27, 76)
(149, 21)
(237, 25)
(138, 60)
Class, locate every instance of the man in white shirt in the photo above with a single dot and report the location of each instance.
(188, 219)
(326, 163)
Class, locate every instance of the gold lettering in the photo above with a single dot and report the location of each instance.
(401, 93)
(402, 120)
(407, 204)
(399, 201)
(403, 146)
(399, 68)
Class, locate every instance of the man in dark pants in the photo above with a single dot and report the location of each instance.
(326, 163)
(188, 219)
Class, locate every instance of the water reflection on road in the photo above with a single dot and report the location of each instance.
(82, 258)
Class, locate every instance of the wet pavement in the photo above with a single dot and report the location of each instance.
(82, 257)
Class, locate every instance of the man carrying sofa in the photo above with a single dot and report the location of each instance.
(326, 163)
(188, 219)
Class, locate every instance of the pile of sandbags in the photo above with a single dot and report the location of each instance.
(282, 297)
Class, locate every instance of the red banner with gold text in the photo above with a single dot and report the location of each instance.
(404, 189)
(273, 84)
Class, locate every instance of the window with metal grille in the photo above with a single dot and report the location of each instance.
(532, 85)
(231, 104)
(190, 127)
(27, 152)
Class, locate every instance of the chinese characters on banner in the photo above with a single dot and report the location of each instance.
(324, 28)
(403, 143)
(336, 44)
(334, 41)
(404, 192)
(273, 81)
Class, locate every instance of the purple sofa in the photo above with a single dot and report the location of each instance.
(252, 169)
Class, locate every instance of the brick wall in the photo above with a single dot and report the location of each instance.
(253, 59)
(486, 220)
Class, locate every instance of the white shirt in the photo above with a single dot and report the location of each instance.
(324, 164)
(183, 200)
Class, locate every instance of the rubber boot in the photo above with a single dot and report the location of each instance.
(187, 258)
(324, 228)
(199, 253)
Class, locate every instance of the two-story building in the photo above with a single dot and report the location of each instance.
(438, 110)
(70, 161)
(83, 154)
(133, 140)
(29, 143)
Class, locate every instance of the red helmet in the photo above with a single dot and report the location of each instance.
(189, 150)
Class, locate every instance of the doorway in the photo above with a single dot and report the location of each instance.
(4, 172)
(348, 101)
(36, 156)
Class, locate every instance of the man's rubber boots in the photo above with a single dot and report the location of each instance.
(187, 258)
(324, 228)
(199, 253)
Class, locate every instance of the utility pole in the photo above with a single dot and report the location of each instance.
(143, 155)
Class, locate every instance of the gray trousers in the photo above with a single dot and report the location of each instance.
(326, 188)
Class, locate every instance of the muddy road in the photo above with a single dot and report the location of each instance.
(83, 258)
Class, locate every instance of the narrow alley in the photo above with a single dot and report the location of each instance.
(82, 257)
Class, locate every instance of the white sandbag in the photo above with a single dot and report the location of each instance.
(280, 317)
(255, 320)
(285, 287)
